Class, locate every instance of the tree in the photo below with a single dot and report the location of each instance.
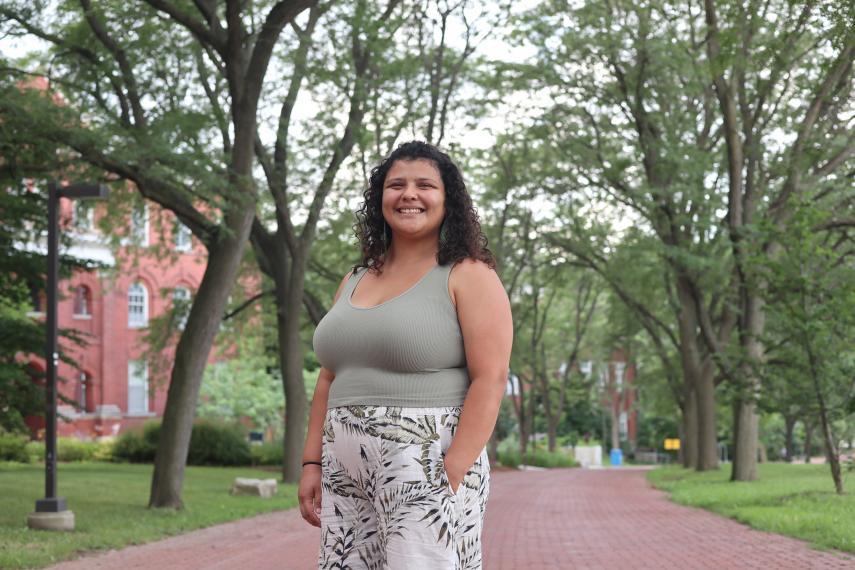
(376, 59)
(26, 165)
(629, 124)
(753, 68)
(140, 79)
(811, 296)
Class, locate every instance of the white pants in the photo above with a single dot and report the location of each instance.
(386, 501)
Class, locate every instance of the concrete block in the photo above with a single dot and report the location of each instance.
(264, 488)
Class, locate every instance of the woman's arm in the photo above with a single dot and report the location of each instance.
(484, 313)
(309, 493)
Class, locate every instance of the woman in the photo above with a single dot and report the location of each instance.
(415, 354)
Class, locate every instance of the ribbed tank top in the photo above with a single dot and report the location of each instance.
(407, 351)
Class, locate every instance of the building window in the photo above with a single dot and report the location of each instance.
(83, 394)
(623, 425)
(139, 225)
(38, 299)
(84, 216)
(82, 301)
(137, 306)
(181, 306)
(137, 387)
(183, 241)
(620, 367)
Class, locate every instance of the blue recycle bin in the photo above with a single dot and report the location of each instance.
(616, 457)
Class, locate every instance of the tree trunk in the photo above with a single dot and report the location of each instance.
(744, 467)
(493, 448)
(707, 456)
(745, 424)
(689, 443)
(831, 455)
(289, 296)
(551, 435)
(808, 440)
(698, 381)
(191, 356)
(789, 444)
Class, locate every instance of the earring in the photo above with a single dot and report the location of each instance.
(443, 232)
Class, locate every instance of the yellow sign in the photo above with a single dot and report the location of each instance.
(672, 444)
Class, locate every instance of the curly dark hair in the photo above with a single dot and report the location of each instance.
(460, 235)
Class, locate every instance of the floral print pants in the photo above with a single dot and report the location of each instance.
(386, 501)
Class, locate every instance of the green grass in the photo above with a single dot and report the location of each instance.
(109, 504)
(795, 500)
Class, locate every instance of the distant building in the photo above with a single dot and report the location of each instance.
(112, 387)
(618, 396)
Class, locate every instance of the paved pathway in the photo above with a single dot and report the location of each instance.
(536, 520)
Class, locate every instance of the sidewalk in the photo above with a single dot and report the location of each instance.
(536, 520)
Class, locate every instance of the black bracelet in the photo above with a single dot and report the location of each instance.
(312, 463)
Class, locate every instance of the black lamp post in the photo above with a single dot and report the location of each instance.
(51, 511)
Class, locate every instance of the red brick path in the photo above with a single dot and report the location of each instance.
(568, 518)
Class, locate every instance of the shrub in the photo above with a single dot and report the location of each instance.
(537, 457)
(137, 446)
(36, 451)
(267, 453)
(70, 449)
(13, 448)
(211, 443)
(214, 443)
(104, 452)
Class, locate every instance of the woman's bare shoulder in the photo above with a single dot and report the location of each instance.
(470, 275)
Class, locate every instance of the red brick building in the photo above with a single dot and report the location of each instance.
(111, 384)
(617, 379)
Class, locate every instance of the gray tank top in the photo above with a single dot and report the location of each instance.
(405, 352)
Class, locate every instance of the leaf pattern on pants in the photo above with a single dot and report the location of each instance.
(386, 501)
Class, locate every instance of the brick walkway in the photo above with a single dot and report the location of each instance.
(568, 518)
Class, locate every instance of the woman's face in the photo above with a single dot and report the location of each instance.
(414, 198)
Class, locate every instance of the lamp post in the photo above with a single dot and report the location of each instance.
(51, 512)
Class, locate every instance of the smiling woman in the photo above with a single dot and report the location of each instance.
(415, 363)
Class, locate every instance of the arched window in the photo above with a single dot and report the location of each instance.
(181, 305)
(82, 301)
(137, 305)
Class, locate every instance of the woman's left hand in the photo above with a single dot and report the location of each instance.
(455, 473)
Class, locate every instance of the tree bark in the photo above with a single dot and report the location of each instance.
(698, 377)
(688, 445)
(831, 454)
(745, 424)
(191, 356)
(789, 444)
(289, 295)
(707, 457)
(808, 439)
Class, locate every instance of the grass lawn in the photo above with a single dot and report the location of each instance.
(795, 500)
(109, 504)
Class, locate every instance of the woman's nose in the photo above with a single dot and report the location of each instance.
(410, 190)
